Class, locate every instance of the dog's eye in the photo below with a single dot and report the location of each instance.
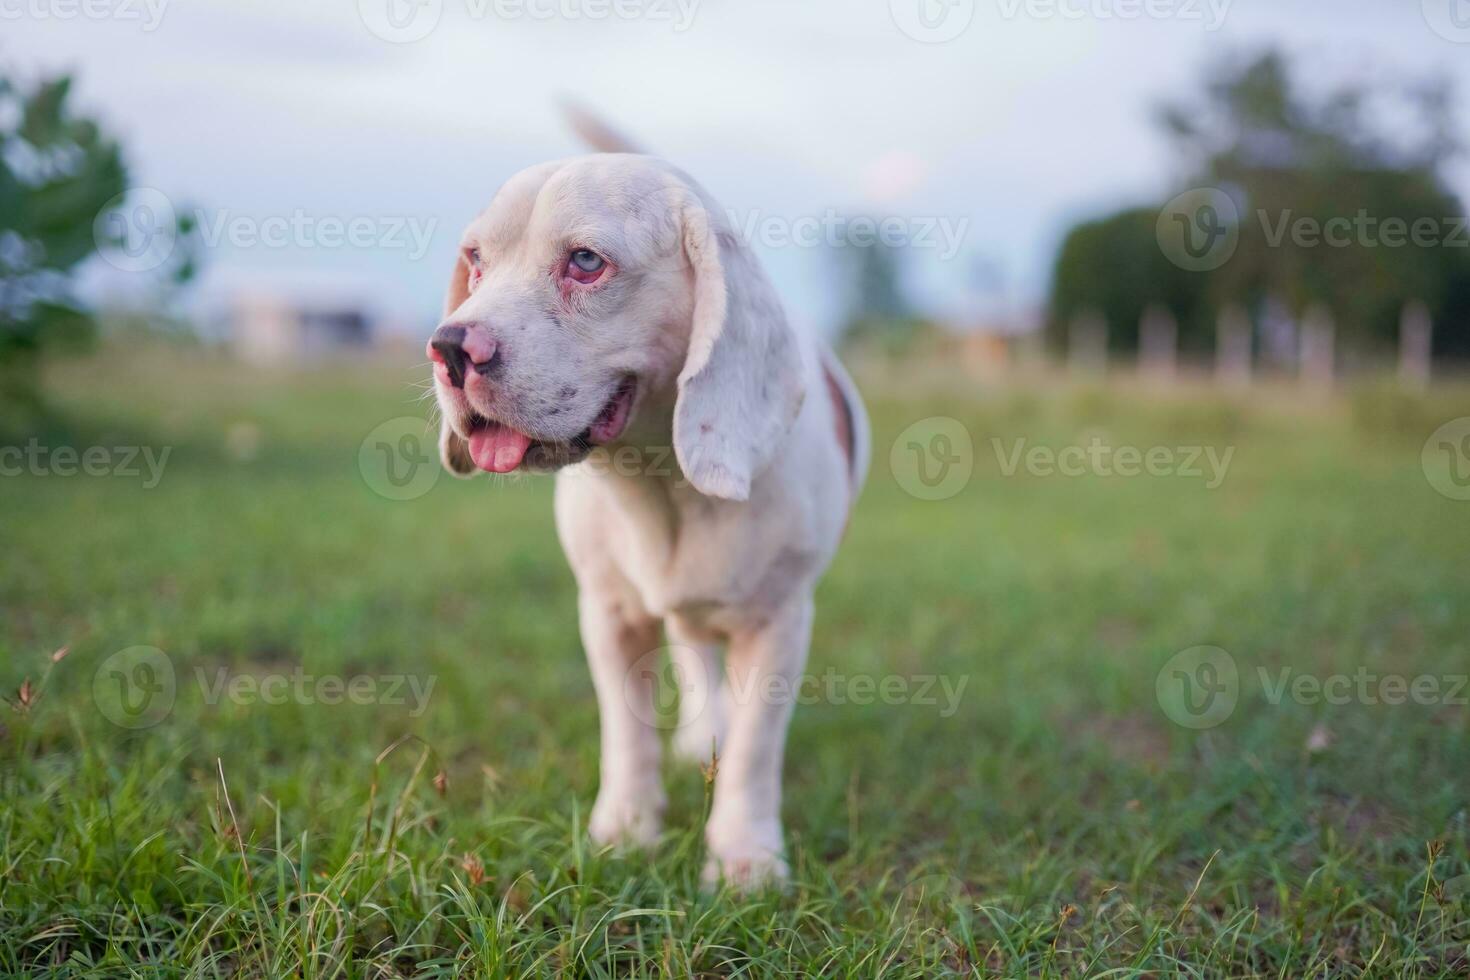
(477, 268)
(585, 265)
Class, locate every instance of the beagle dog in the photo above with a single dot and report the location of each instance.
(605, 321)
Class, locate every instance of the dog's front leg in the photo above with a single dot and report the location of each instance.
(630, 797)
(702, 695)
(744, 830)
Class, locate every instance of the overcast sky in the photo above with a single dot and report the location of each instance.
(993, 124)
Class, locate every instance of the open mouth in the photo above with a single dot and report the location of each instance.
(498, 448)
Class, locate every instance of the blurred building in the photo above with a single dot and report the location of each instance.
(271, 329)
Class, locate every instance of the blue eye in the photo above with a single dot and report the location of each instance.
(587, 261)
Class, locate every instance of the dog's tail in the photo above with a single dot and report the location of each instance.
(594, 131)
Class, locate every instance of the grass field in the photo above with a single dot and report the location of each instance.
(1049, 820)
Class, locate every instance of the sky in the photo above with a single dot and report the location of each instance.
(333, 150)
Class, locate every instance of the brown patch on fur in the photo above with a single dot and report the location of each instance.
(844, 418)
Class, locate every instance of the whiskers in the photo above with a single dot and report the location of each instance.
(425, 393)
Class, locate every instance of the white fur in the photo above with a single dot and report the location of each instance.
(721, 540)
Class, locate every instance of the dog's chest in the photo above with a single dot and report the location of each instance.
(713, 564)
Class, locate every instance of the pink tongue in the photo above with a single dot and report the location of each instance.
(498, 448)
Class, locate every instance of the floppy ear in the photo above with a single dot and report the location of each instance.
(454, 452)
(459, 285)
(741, 386)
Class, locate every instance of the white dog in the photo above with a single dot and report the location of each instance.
(605, 320)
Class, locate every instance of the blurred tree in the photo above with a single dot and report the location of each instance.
(878, 307)
(58, 173)
(1301, 167)
(1330, 190)
(1115, 267)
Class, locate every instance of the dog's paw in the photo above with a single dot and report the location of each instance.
(627, 819)
(747, 860)
(745, 873)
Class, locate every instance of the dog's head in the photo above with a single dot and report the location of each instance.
(603, 300)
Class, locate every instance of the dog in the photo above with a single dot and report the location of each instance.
(604, 321)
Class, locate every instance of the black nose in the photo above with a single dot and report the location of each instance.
(448, 343)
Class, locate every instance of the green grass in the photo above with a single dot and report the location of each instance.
(1056, 824)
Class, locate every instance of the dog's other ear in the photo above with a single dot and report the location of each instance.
(594, 130)
(741, 385)
(454, 452)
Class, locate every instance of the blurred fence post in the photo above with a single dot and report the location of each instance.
(1029, 351)
(1233, 347)
(1087, 344)
(1280, 347)
(1158, 344)
(1416, 345)
(1318, 348)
